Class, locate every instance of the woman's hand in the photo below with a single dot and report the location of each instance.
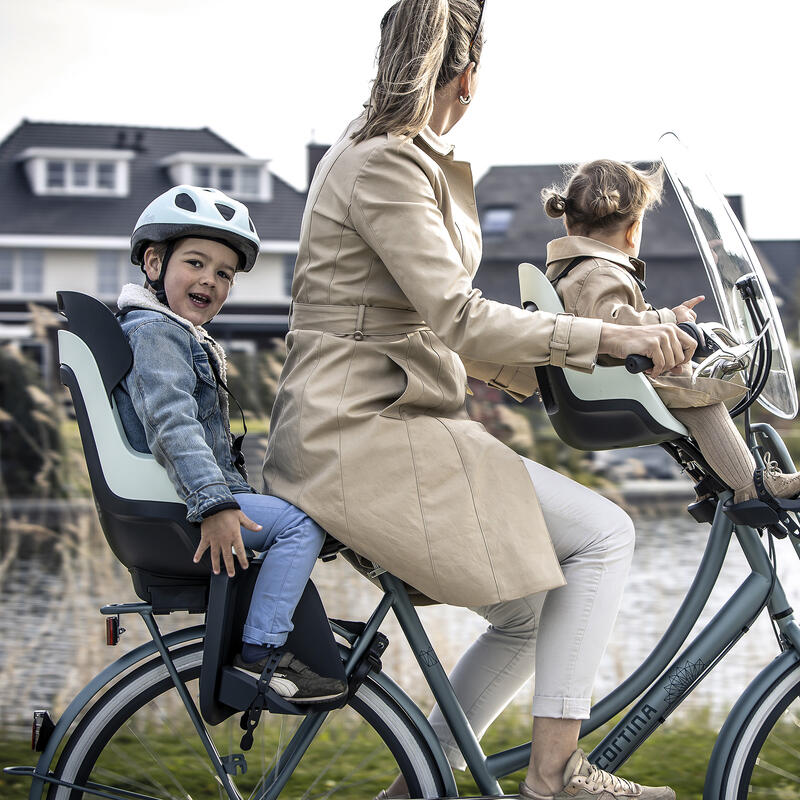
(667, 346)
(221, 534)
(684, 312)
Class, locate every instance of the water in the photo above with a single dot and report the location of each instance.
(52, 636)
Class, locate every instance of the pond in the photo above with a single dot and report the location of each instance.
(52, 636)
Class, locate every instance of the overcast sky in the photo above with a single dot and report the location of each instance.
(561, 81)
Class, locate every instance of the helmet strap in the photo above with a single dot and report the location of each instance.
(158, 283)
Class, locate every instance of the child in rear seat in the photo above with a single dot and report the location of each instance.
(596, 272)
(190, 242)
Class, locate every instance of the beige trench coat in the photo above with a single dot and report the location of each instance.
(608, 286)
(369, 432)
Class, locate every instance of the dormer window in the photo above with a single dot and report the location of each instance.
(74, 171)
(497, 220)
(239, 176)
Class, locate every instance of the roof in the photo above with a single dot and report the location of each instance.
(666, 232)
(22, 212)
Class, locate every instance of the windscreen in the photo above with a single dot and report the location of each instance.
(728, 256)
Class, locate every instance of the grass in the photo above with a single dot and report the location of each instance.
(676, 755)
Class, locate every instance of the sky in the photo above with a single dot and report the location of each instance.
(560, 82)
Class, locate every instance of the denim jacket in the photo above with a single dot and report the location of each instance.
(171, 405)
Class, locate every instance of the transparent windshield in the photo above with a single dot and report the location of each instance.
(728, 256)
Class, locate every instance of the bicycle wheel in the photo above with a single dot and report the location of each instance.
(138, 738)
(765, 759)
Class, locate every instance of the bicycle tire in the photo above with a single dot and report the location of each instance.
(756, 764)
(93, 739)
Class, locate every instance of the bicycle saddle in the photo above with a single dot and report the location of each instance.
(606, 409)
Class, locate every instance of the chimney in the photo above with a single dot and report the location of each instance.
(315, 153)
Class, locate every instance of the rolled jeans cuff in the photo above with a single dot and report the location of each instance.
(562, 707)
(253, 635)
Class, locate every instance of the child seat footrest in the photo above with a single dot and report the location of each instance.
(758, 514)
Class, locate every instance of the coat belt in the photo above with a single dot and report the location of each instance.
(356, 321)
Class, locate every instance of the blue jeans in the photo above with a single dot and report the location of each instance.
(292, 541)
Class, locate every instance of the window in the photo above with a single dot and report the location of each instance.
(202, 176)
(496, 221)
(225, 179)
(80, 173)
(32, 271)
(249, 181)
(56, 174)
(109, 281)
(6, 270)
(106, 175)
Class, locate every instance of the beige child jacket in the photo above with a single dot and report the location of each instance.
(369, 433)
(608, 286)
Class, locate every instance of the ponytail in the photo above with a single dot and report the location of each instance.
(424, 45)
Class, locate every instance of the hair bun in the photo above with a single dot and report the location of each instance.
(606, 203)
(554, 204)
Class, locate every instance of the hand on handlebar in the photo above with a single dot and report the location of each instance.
(666, 345)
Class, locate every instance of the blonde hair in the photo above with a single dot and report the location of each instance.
(604, 194)
(424, 45)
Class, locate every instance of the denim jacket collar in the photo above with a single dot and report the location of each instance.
(135, 296)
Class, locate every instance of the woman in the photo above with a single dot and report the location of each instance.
(370, 435)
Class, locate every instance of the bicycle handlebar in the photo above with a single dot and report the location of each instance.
(705, 347)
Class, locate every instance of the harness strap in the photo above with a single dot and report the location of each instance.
(572, 264)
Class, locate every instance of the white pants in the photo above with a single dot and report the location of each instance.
(593, 539)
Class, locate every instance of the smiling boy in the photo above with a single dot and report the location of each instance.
(190, 242)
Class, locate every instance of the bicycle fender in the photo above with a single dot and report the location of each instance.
(737, 718)
(93, 688)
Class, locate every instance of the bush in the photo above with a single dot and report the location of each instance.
(30, 444)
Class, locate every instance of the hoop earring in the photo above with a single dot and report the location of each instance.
(465, 101)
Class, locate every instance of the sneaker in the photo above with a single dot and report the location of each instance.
(780, 484)
(295, 681)
(584, 781)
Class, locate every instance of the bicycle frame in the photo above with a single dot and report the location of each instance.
(661, 686)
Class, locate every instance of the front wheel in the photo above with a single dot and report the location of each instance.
(138, 738)
(765, 758)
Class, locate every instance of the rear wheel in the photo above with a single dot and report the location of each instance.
(138, 738)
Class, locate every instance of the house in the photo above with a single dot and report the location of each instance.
(515, 229)
(70, 195)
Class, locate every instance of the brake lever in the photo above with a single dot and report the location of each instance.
(736, 357)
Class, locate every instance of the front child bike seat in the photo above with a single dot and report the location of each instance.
(602, 410)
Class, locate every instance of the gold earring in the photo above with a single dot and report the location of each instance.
(465, 101)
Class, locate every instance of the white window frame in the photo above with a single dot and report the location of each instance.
(183, 169)
(38, 159)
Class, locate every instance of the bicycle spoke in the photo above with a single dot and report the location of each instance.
(765, 765)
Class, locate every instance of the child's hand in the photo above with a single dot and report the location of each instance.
(684, 313)
(221, 534)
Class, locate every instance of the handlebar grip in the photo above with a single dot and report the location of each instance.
(634, 363)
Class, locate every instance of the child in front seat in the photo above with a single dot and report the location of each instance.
(190, 242)
(596, 272)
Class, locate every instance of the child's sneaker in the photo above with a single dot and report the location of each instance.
(584, 781)
(780, 484)
(295, 681)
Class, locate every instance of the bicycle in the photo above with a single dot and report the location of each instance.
(135, 699)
